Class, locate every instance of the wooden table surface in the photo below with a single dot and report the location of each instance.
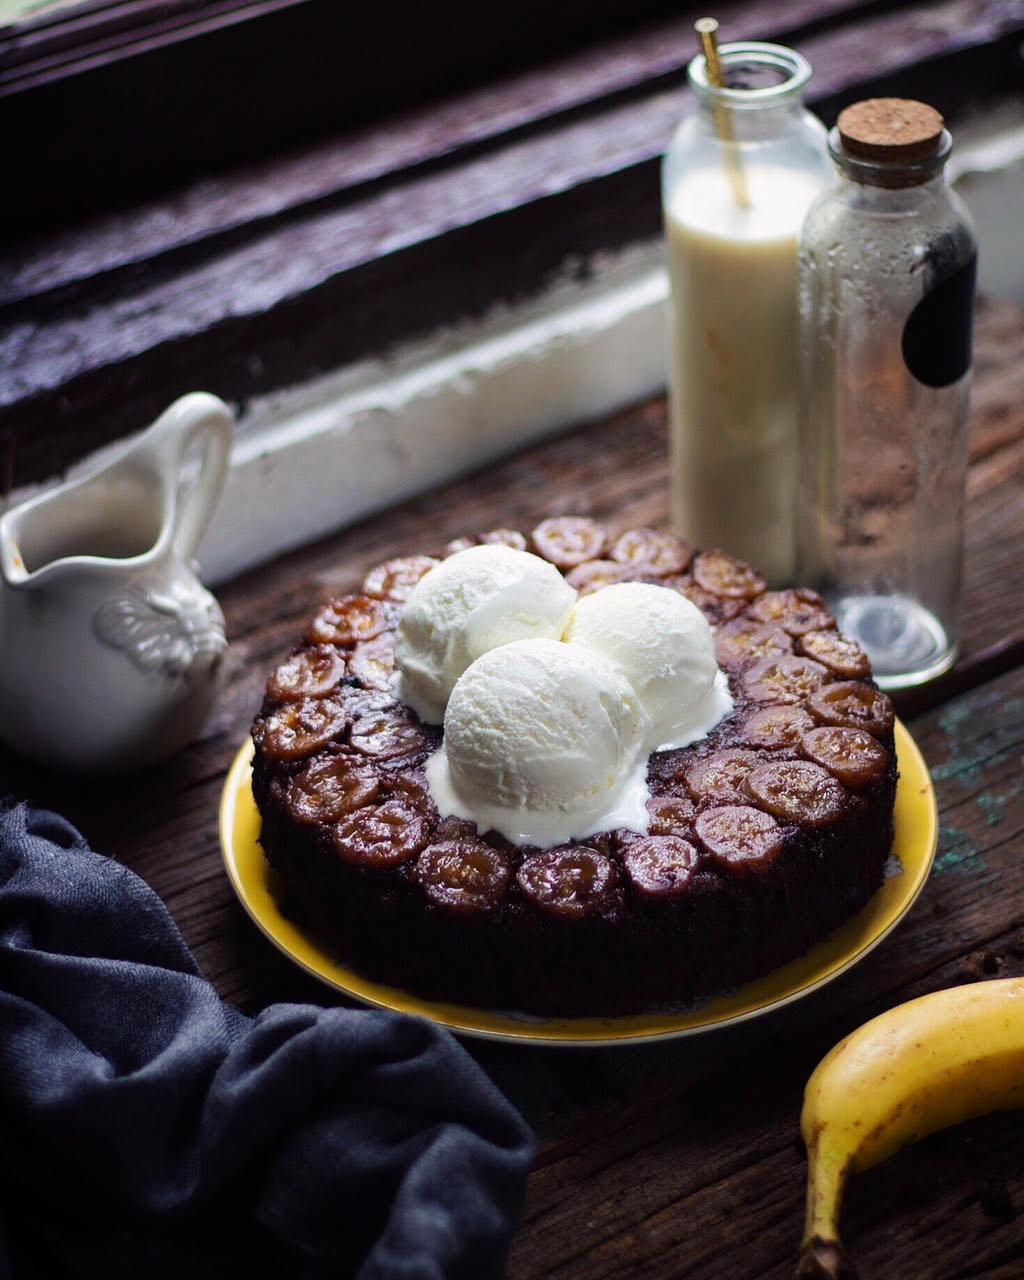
(680, 1157)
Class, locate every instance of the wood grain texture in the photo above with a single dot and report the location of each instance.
(609, 67)
(391, 230)
(678, 1158)
(177, 89)
(685, 1159)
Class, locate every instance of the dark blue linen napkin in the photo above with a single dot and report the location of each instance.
(154, 1130)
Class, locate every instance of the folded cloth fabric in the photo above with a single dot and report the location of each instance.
(157, 1131)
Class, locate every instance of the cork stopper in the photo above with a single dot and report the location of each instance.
(891, 130)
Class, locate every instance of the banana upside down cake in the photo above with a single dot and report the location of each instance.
(476, 781)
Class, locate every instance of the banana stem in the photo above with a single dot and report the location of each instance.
(824, 1260)
(822, 1256)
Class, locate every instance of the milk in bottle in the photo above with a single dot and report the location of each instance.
(734, 201)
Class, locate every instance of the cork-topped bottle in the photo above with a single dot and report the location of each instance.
(886, 284)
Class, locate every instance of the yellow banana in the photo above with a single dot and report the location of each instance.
(920, 1067)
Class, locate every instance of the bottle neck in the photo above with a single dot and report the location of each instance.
(764, 90)
(753, 122)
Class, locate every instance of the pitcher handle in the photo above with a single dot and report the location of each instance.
(207, 418)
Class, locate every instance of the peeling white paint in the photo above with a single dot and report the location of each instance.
(309, 461)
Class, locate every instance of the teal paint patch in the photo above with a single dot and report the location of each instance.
(964, 767)
(992, 807)
(972, 761)
(956, 850)
(954, 716)
(970, 753)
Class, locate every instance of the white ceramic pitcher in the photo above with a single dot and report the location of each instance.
(109, 643)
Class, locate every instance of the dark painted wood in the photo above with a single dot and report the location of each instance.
(380, 151)
(177, 88)
(267, 277)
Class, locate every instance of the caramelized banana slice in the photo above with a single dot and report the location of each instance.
(592, 575)
(568, 540)
(395, 579)
(853, 705)
(347, 619)
(796, 610)
(386, 735)
(364, 702)
(744, 640)
(844, 657)
(412, 786)
(382, 835)
(739, 837)
(720, 777)
(297, 729)
(786, 679)
(656, 551)
(453, 828)
(852, 755)
(717, 609)
(776, 728)
(724, 575)
(572, 881)
(797, 790)
(330, 786)
(670, 814)
(463, 875)
(309, 672)
(661, 866)
(372, 662)
(494, 537)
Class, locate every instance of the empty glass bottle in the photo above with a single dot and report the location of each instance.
(886, 285)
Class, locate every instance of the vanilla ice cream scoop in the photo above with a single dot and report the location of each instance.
(544, 742)
(468, 604)
(662, 644)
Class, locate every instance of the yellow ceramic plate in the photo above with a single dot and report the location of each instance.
(913, 852)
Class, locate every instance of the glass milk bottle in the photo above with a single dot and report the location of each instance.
(736, 182)
(887, 301)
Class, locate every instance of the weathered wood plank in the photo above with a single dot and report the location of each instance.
(224, 81)
(375, 261)
(678, 1158)
(685, 1158)
(219, 204)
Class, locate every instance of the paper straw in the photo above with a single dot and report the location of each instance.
(707, 30)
